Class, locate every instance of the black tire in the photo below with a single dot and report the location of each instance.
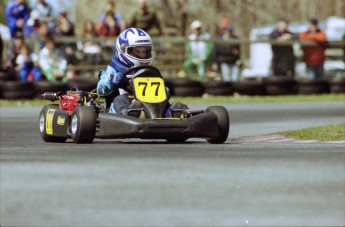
(83, 125)
(223, 124)
(42, 126)
(315, 86)
(279, 85)
(183, 82)
(48, 86)
(195, 91)
(218, 87)
(337, 86)
(17, 90)
(251, 88)
(84, 84)
(24, 94)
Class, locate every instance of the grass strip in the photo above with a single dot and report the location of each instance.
(321, 133)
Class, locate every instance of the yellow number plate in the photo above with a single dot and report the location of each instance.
(149, 89)
(49, 121)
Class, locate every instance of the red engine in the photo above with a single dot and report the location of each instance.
(68, 101)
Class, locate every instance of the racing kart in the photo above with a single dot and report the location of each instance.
(82, 116)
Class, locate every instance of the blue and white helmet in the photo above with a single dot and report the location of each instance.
(134, 47)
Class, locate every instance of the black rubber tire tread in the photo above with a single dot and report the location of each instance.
(49, 138)
(184, 82)
(49, 86)
(220, 91)
(83, 84)
(315, 86)
(216, 83)
(251, 88)
(20, 94)
(86, 127)
(278, 80)
(195, 91)
(337, 86)
(223, 124)
(16, 86)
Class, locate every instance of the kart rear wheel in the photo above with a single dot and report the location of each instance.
(223, 124)
(83, 125)
(42, 126)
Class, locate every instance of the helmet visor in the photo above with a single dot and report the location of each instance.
(140, 52)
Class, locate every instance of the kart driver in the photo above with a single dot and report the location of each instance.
(133, 47)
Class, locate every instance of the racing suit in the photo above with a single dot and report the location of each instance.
(112, 81)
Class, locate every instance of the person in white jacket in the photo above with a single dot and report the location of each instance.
(51, 62)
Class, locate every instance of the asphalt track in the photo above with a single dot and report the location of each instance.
(153, 183)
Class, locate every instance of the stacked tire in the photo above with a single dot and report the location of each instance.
(49, 86)
(250, 88)
(337, 85)
(279, 85)
(312, 86)
(185, 87)
(84, 84)
(218, 88)
(17, 90)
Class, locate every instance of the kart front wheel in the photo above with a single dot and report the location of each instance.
(43, 126)
(83, 125)
(223, 124)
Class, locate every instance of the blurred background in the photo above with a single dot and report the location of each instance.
(246, 26)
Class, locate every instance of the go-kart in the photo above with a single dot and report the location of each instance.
(82, 116)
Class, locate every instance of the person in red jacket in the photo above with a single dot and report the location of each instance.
(314, 56)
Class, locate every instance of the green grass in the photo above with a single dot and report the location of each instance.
(215, 99)
(322, 133)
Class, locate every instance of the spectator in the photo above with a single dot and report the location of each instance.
(45, 12)
(314, 56)
(227, 55)
(110, 8)
(17, 13)
(198, 50)
(108, 27)
(43, 33)
(146, 19)
(344, 47)
(32, 26)
(92, 50)
(283, 60)
(65, 27)
(1, 48)
(10, 63)
(51, 62)
(27, 65)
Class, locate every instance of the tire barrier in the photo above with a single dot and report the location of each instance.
(53, 86)
(337, 85)
(279, 85)
(17, 90)
(183, 87)
(218, 88)
(250, 88)
(84, 84)
(315, 86)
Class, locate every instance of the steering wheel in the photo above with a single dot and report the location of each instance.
(136, 68)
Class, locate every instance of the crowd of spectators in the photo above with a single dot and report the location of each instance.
(52, 59)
